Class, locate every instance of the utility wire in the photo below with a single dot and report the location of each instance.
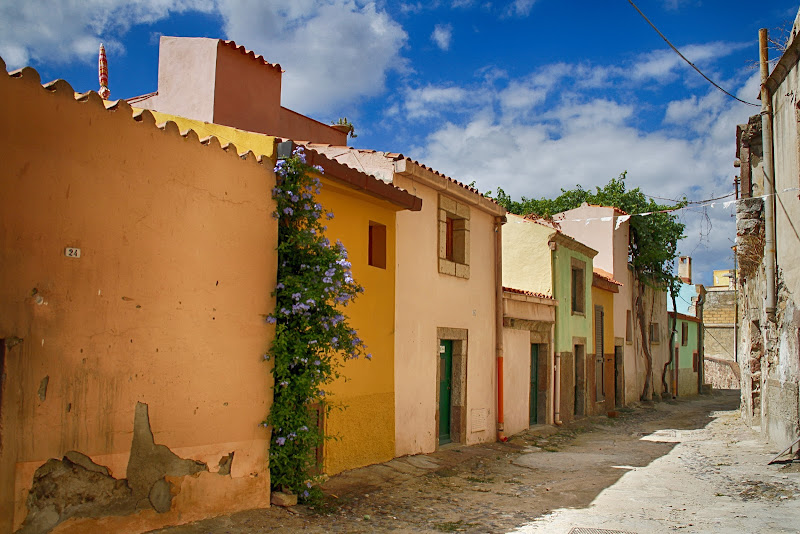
(690, 202)
(687, 61)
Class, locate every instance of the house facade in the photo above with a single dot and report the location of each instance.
(541, 259)
(685, 366)
(528, 355)
(604, 373)
(446, 350)
(132, 327)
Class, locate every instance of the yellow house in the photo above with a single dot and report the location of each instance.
(602, 385)
(364, 209)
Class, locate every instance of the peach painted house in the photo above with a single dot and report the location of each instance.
(528, 332)
(603, 375)
(137, 268)
(607, 229)
(448, 308)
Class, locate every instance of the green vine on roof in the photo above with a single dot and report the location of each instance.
(653, 245)
(312, 336)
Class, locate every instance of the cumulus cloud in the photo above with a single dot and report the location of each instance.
(333, 51)
(553, 129)
(41, 30)
(442, 35)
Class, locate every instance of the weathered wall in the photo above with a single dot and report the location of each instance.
(427, 300)
(768, 346)
(516, 378)
(164, 307)
(687, 376)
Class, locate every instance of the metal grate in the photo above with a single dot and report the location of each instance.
(581, 530)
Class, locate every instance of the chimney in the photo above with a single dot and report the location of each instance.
(685, 269)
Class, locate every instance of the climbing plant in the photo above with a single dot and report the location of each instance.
(312, 335)
(652, 249)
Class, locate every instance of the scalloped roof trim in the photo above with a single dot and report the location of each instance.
(252, 55)
(62, 88)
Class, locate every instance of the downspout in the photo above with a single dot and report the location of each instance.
(769, 176)
(498, 275)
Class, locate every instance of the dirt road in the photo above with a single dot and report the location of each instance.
(687, 465)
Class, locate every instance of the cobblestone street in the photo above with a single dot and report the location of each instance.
(687, 465)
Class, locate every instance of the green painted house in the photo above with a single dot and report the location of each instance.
(682, 378)
(539, 258)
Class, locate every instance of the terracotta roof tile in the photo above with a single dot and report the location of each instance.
(250, 53)
(527, 293)
(396, 156)
(605, 275)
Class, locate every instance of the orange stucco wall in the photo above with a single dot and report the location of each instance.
(164, 306)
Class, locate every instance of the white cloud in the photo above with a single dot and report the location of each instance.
(519, 8)
(35, 31)
(334, 51)
(430, 101)
(442, 35)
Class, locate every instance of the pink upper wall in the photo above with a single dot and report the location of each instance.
(221, 82)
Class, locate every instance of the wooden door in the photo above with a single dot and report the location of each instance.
(445, 388)
(534, 395)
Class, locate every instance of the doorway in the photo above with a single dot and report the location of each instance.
(580, 380)
(618, 374)
(533, 418)
(445, 389)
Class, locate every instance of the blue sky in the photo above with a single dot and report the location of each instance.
(529, 95)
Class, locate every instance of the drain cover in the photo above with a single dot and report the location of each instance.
(582, 530)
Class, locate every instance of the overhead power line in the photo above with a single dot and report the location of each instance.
(712, 82)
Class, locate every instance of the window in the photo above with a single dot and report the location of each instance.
(628, 327)
(684, 334)
(655, 334)
(695, 361)
(377, 245)
(453, 237)
(578, 286)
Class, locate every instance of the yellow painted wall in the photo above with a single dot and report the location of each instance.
(527, 262)
(604, 298)
(365, 429)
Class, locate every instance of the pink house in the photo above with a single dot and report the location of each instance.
(220, 82)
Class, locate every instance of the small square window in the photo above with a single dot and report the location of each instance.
(655, 334)
(377, 245)
(454, 237)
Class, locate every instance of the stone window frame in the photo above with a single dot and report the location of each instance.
(577, 295)
(458, 213)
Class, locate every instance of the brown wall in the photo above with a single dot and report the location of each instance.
(164, 308)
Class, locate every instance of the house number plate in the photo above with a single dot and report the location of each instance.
(72, 252)
(441, 349)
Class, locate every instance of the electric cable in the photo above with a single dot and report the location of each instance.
(712, 82)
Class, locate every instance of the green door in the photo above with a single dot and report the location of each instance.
(445, 383)
(534, 404)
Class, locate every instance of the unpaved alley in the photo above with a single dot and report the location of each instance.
(686, 465)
